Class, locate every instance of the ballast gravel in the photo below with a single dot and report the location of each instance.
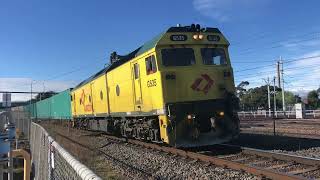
(313, 152)
(127, 161)
(160, 165)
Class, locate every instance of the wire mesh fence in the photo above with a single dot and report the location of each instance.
(51, 161)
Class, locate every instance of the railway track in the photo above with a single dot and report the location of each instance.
(264, 164)
(291, 165)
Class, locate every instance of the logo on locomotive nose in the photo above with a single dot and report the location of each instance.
(197, 83)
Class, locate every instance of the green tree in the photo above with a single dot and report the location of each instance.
(241, 88)
(313, 99)
(290, 98)
(44, 95)
(257, 97)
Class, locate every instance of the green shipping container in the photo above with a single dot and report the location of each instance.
(55, 107)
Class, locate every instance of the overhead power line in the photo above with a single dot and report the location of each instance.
(265, 34)
(251, 50)
(63, 74)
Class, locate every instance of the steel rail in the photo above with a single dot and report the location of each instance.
(257, 171)
(278, 155)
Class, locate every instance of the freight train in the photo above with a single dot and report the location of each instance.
(178, 89)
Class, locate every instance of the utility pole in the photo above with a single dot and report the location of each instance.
(40, 94)
(269, 104)
(274, 106)
(274, 96)
(278, 73)
(282, 88)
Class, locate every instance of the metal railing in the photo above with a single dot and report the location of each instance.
(278, 114)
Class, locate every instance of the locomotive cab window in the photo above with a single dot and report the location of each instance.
(151, 65)
(178, 57)
(213, 56)
(101, 95)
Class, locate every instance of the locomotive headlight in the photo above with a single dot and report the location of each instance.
(195, 36)
(190, 117)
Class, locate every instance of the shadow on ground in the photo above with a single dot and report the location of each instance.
(270, 142)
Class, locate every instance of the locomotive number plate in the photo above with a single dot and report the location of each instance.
(178, 37)
(214, 38)
(152, 83)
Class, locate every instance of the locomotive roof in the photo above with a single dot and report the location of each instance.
(144, 48)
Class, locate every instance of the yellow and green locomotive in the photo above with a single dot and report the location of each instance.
(177, 88)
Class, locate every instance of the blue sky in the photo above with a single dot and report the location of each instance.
(59, 43)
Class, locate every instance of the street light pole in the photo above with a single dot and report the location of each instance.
(31, 108)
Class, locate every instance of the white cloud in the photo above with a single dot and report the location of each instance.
(305, 73)
(257, 77)
(224, 10)
(24, 84)
(294, 46)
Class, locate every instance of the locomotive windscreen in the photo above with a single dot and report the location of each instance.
(178, 57)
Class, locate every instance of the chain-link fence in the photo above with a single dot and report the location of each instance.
(51, 161)
(21, 119)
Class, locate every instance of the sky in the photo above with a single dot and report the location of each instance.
(57, 44)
